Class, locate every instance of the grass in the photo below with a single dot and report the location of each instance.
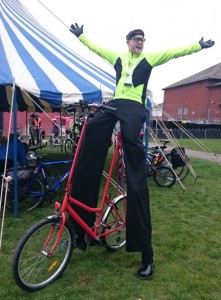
(186, 240)
(212, 144)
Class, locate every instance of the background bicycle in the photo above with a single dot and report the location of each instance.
(46, 179)
(175, 158)
(39, 182)
(78, 116)
(163, 175)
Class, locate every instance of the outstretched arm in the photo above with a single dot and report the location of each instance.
(110, 56)
(156, 59)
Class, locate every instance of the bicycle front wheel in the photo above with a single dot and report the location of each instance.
(164, 176)
(33, 267)
(114, 224)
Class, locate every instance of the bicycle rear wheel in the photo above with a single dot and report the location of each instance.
(164, 176)
(181, 171)
(114, 224)
(35, 192)
(33, 267)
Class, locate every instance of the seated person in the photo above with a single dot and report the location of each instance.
(21, 153)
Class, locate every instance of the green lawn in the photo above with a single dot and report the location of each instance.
(213, 144)
(186, 240)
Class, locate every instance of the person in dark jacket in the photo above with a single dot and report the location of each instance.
(133, 69)
(21, 153)
(32, 128)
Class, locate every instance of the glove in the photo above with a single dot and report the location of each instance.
(75, 29)
(206, 44)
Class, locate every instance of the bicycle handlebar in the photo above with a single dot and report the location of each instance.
(83, 104)
(102, 106)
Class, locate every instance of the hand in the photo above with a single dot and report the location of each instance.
(75, 29)
(206, 44)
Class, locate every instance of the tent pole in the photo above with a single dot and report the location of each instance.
(15, 142)
(26, 119)
(148, 107)
(61, 133)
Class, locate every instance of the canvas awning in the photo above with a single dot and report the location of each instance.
(39, 64)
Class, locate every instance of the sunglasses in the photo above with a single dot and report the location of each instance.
(138, 39)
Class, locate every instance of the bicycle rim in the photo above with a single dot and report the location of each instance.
(35, 194)
(114, 224)
(32, 268)
(181, 172)
(164, 176)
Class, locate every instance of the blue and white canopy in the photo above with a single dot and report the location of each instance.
(41, 66)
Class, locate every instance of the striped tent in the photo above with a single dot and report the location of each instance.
(39, 73)
(44, 72)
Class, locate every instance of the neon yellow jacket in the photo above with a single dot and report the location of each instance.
(143, 65)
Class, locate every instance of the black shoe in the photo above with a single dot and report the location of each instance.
(81, 244)
(145, 272)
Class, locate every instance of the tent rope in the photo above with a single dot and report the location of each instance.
(53, 14)
(200, 144)
(66, 26)
(4, 178)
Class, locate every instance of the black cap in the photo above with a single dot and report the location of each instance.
(132, 33)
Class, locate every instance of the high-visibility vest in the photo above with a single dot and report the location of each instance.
(37, 122)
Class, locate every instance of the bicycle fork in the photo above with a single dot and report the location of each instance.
(62, 217)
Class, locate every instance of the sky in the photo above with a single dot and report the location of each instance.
(167, 24)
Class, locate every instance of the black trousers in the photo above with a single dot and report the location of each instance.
(88, 172)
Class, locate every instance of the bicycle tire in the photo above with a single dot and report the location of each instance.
(32, 268)
(181, 171)
(114, 217)
(35, 192)
(69, 147)
(164, 176)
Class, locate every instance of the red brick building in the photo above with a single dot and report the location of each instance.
(196, 98)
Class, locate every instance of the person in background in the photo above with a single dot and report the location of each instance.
(37, 124)
(55, 130)
(133, 69)
(21, 153)
(32, 128)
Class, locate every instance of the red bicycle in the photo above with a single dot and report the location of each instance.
(45, 250)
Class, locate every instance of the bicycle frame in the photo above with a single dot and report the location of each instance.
(93, 232)
(45, 250)
(40, 170)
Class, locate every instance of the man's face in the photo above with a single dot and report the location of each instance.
(136, 44)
